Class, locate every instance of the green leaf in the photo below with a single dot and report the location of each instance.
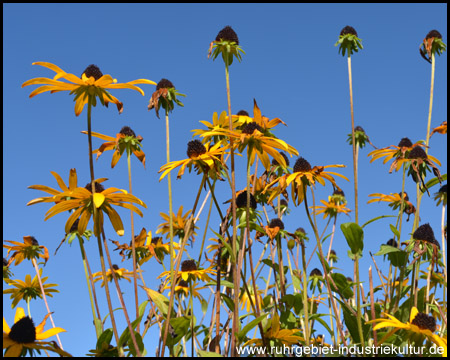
(204, 306)
(228, 301)
(342, 284)
(241, 335)
(180, 327)
(352, 325)
(435, 181)
(227, 246)
(354, 235)
(375, 219)
(202, 353)
(105, 337)
(98, 326)
(161, 302)
(225, 283)
(395, 231)
(139, 343)
(125, 337)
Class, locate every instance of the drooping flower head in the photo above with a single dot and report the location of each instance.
(227, 44)
(165, 96)
(360, 138)
(432, 44)
(348, 41)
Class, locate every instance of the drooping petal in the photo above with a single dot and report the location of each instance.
(14, 350)
(6, 328)
(98, 198)
(49, 333)
(20, 313)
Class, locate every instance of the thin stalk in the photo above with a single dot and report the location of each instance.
(204, 233)
(191, 307)
(233, 211)
(28, 306)
(355, 164)
(372, 306)
(133, 246)
(433, 66)
(169, 182)
(188, 229)
(305, 296)
(332, 237)
(99, 243)
(443, 252)
(83, 255)
(322, 260)
(44, 297)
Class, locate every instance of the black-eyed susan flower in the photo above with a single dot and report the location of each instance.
(165, 96)
(6, 271)
(28, 289)
(263, 122)
(179, 222)
(441, 196)
(252, 136)
(426, 234)
(126, 139)
(206, 158)
(245, 301)
(432, 44)
(279, 336)
(274, 227)
(331, 208)
(183, 287)
(303, 175)
(227, 44)
(395, 202)
(82, 201)
(218, 122)
(29, 249)
(348, 41)
(87, 88)
(441, 129)
(24, 336)
(121, 273)
(418, 324)
(360, 138)
(190, 272)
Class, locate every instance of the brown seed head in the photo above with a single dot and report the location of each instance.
(228, 34)
(302, 165)
(93, 70)
(195, 148)
(348, 30)
(425, 322)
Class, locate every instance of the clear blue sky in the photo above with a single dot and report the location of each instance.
(291, 68)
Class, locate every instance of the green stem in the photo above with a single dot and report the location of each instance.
(444, 253)
(83, 255)
(433, 65)
(99, 243)
(28, 306)
(133, 245)
(233, 210)
(305, 295)
(355, 161)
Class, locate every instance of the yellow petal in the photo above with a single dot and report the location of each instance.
(98, 199)
(40, 327)
(414, 312)
(49, 333)
(14, 351)
(20, 313)
(6, 328)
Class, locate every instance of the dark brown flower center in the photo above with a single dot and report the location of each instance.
(93, 70)
(348, 30)
(228, 34)
(155, 240)
(183, 283)
(405, 195)
(338, 192)
(332, 252)
(302, 165)
(115, 267)
(188, 265)
(243, 113)
(359, 128)
(23, 331)
(34, 242)
(241, 200)
(405, 142)
(98, 187)
(349, 279)
(433, 34)
(315, 272)
(275, 163)
(164, 84)
(417, 153)
(74, 226)
(195, 148)
(443, 189)
(425, 233)
(425, 322)
(392, 242)
(5, 262)
(249, 128)
(127, 131)
(276, 222)
(301, 230)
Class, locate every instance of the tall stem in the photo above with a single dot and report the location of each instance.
(355, 166)
(433, 63)
(443, 252)
(99, 243)
(45, 299)
(233, 212)
(133, 245)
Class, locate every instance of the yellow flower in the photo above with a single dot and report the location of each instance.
(419, 324)
(92, 84)
(183, 288)
(179, 222)
(82, 200)
(189, 271)
(258, 140)
(202, 157)
(395, 201)
(246, 302)
(217, 123)
(441, 129)
(23, 335)
(303, 175)
(29, 249)
(28, 289)
(330, 208)
(120, 274)
(285, 336)
(262, 121)
(125, 140)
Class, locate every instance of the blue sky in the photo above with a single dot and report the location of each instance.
(291, 68)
